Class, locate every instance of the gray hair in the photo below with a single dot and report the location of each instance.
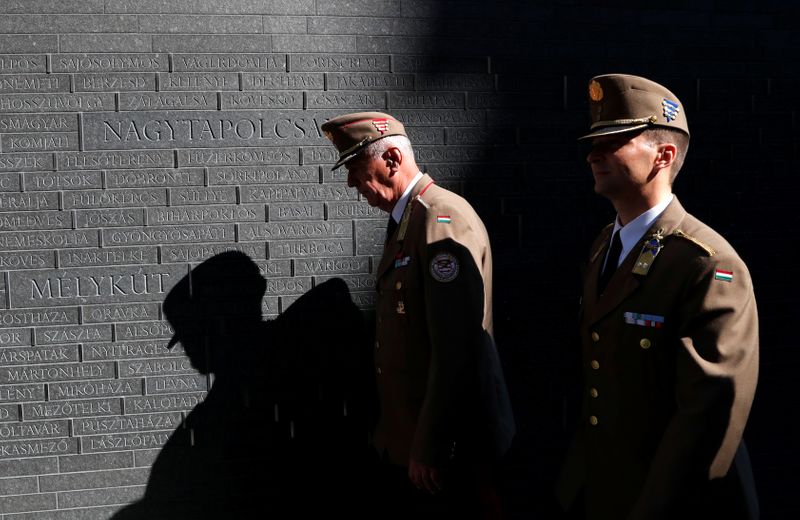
(401, 142)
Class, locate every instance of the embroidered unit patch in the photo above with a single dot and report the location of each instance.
(671, 110)
(725, 276)
(644, 320)
(444, 267)
(381, 125)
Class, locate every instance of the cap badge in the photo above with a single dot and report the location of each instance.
(671, 110)
(382, 125)
(595, 91)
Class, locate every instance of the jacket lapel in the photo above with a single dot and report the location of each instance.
(394, 246)
(624, 282)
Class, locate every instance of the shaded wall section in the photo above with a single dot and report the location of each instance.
(140, 138)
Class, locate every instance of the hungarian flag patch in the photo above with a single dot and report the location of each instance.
(725, 276)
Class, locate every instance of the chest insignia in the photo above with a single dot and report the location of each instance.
(402, 262)
(652, 246)
(444, 267)
(644, 320)
(401, 307)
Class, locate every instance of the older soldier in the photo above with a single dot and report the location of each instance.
(444, 411)
(669, 332)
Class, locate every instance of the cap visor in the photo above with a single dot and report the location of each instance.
(611, 130)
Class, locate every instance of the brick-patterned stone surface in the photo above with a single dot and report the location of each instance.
(139, 138)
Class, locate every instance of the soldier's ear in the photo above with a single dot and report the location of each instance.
(667, 152)
(393, 157)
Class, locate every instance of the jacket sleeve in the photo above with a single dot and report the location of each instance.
(716, 372)
(454, 301)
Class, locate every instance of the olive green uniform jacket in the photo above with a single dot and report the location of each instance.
(670, 363)
(440, 386)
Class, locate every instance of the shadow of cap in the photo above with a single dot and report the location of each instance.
(226, 285)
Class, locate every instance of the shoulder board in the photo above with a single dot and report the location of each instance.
(602, 244)
(425, 204)
(702, 245)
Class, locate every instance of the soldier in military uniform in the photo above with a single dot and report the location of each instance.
(669, 332)
(443, 402)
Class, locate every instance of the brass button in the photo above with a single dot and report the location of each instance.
(595, 364)
(593, 420)
(595, 337)
(645, 343)
(377, 345)
(379, 371)
(398, 285)
(593, 392)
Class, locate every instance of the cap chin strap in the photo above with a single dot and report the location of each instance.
(616, 122)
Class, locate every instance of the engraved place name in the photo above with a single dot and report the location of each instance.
(338, 175)
(9, 412)
(73, 334)
(207, 214)
(198, 81)
(263, 175)
(370, 81)
(356, 282)
(91, 389)
(34, 83)
(286, 230)
(319, 155)
(81, 199)
(348, 210)
(36, 317)
(370, 236)
(38, 448)
(18, 240)
(289, 285)
(44, 142)
(13, 221)
(297, 192)
(50, 288)
(102, 160)
(38, 123)
(21, 393)
(455, 82)
(171, 129)
(421, 63)
(34, 430)
(198, 195)
(28, 201)
(48, 373)
(163, 403)
(460, 171)
(127, 423)
(109, 218)
(22, 63)
(15, 337)
(200, 252)
(155, 367)
(440, 117)
(297, 211)
(347, 99)
(173, 384)
(282, 81)
(144, 330)
(426, 100)
(110, 62)
(77, 180)
(364, 300)
(129, 349)
(275, 268)
(120, 312)
(452, 153)
(38, 355)
(115, 82)
(10, 182)
(425, 135)
(169, 234)
(481, 136)
(151, 178)
(56, 102)
(343, 265)
(168, 101)
(110, 256)
(303, 248)
(339, 63)
(27, 259)
(70, 409)
(228, 62)
(238, 157)
(270, 306)
(12, 162)
(269, 99)
(128, 441)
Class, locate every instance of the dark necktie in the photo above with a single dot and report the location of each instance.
(611, 263)
(390, 227)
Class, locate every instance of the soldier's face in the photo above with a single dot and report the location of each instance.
(622, 164)
(372, 180)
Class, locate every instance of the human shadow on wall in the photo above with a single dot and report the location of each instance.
(283, 429)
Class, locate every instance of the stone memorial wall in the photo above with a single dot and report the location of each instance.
(140, 138)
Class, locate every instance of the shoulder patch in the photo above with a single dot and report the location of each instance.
(444, 267)
(699, 243)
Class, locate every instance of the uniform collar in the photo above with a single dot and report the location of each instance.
(400, 206)
(633, 231)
